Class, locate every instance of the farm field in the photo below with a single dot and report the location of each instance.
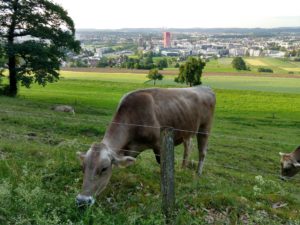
(256, 117)
(273, 84)
(279, 66)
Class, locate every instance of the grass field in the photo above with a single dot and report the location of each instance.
(40, 175)
(270, 84)
(279, 66)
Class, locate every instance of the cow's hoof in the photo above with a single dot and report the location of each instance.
(283, 178)
(199, 174)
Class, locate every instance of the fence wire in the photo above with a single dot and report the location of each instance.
(75, 143)
(107, 123)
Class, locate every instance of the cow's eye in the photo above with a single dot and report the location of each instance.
(100, 171)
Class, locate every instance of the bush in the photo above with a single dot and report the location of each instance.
(264, 70)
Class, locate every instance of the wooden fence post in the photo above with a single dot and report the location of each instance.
(167, 172)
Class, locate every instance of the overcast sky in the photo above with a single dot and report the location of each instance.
(112, 14)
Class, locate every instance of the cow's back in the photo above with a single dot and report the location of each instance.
(180, 108)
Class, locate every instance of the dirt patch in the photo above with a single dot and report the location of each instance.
(256, 62)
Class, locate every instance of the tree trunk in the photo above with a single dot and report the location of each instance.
(13, 88)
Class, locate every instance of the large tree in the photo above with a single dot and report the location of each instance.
(190, 72)
(36, 36)
(238, 63)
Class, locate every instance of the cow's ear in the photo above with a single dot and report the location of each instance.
(123, 161)
(282, 154)
(296, 164)
(81, 156)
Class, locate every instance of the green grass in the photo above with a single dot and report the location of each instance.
(279, 66)
(40, 175)
(269, 84)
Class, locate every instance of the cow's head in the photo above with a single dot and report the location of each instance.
(289, 165)
(97, 165)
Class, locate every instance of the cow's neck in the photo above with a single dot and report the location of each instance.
(116, 136)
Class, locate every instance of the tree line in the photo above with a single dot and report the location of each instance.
(144, 61)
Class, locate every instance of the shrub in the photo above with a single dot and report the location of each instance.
(297, 59)
(264, 70)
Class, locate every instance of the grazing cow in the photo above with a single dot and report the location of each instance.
(63, 108)
(290, 163)
(135, 128)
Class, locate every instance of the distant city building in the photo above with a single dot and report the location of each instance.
(254, 52)
(274, 54)
(167, 39)
(141, 42)
(170, 52)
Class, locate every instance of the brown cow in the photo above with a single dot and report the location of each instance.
(135, 128)
(290, 163)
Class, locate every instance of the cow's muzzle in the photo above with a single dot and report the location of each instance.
(82, 200)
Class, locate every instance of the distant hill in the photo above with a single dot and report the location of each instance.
(202, 30)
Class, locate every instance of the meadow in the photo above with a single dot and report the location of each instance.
(256, 117)
(279, 66)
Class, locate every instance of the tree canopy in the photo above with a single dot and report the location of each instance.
(36, 35)
(162, 63)
(190, 72)
(154, 75)
(239, 64)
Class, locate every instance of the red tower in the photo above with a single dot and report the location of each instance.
(167, 39)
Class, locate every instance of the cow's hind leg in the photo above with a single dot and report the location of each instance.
(202, 139)
(187, 143)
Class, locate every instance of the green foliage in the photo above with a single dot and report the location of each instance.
(162, 63)
(103, 62)
(177, 65)
(154, 75)
(2, 67)
(79, 63)
(239, 64)
(297, 59)
(52, 35)
(264, 70)
(190, 72)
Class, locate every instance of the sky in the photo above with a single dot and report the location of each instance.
(114, 14)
